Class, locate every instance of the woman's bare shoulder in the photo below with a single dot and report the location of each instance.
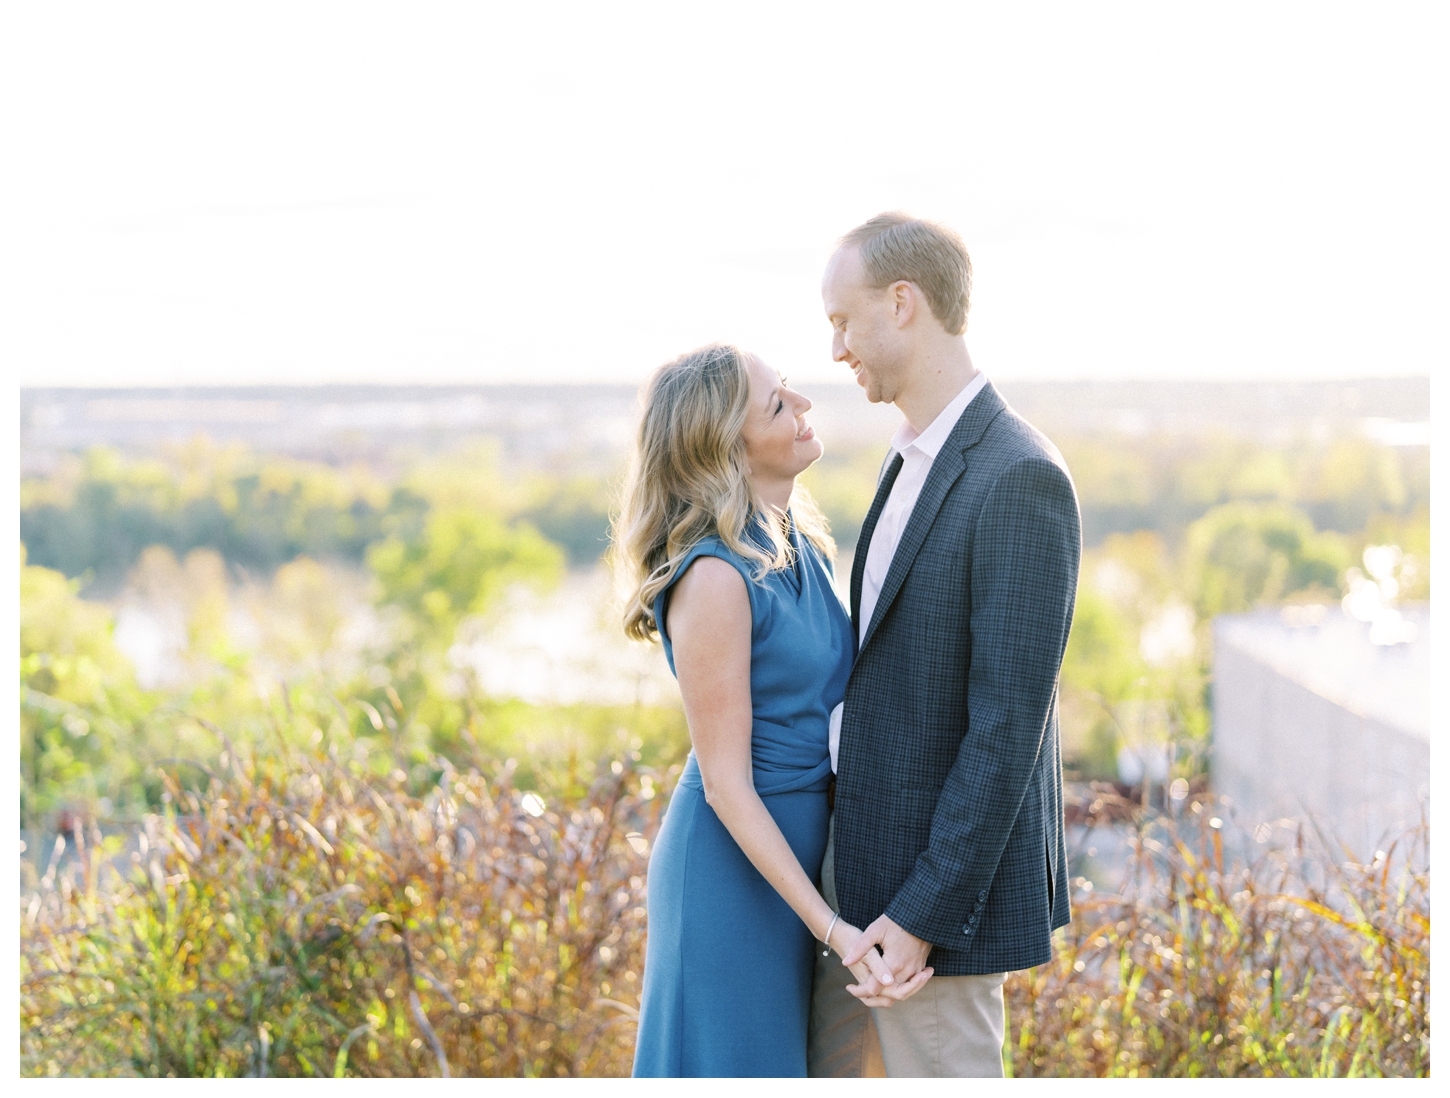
(710, 580)
(708, 604)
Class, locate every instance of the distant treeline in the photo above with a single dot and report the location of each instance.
(93, 517)
(1145, 482)
(1130, 482)
(96, 513)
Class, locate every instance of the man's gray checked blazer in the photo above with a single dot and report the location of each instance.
(948, 806)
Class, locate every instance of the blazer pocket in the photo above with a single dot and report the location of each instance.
(912, 818)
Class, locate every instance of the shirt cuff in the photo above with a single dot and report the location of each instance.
(834, 737)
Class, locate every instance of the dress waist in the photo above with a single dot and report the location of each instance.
(769, 780)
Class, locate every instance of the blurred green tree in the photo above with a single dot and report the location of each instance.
(1241, 555)
(96, 513)
(1355, 480)
(1100, 669)
(78, 698)
(458, 566)
(573, 514)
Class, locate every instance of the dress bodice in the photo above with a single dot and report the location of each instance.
(801, 650)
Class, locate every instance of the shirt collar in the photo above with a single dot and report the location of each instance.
(931, 440)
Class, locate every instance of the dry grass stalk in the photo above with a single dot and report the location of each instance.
(308, 920)
(1302, 963)
(301, 918)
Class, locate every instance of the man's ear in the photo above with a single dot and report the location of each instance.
(903, 297)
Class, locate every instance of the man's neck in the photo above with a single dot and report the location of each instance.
(939, 375)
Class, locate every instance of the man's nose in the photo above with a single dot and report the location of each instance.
(838, 347)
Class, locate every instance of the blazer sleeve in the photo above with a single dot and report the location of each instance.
(1025, 554)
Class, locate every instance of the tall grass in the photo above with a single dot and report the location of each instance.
(1299, 962)
(297, 916)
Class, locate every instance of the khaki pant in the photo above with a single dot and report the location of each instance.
(952, 1028)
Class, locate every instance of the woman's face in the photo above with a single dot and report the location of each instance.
(779, 443)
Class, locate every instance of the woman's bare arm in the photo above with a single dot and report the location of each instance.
(708, 620)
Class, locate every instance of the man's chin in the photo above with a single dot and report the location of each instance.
(867, 383)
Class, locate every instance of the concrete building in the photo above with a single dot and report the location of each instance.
(1318, 714)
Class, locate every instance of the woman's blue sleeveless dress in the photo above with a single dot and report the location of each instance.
(728, 964)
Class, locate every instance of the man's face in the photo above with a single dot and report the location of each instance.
(865, 334)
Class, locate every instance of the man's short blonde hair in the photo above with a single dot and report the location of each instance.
(898, 248)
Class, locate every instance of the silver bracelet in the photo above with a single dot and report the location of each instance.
(827, 951)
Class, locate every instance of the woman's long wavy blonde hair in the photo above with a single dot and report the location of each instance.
(689, 478)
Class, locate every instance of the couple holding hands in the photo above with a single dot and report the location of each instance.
(868, 833)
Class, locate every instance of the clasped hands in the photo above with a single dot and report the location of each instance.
(897, 972)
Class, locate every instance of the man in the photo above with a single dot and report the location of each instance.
(947, 829)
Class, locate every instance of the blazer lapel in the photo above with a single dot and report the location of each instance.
(945, 469)
(863, 541)
(949, 464)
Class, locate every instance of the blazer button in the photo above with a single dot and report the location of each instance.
(966, 930)
(978, 907)
(973, 918)
(982, 896)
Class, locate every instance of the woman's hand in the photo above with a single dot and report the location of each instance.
(874, 984)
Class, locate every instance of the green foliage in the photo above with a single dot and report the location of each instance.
(450, 575)
(1135, 669)
(1356, 480)
(1131, 482)
(458, 566)
(97, 513)
(1137, 661)
(1100, 669)
(79, 702)
(1293, 965)
(1102, 652)
(573, 514)
(92, 738)
(551, 746)
(300, 917)
(1232, 521)
(1241, 555)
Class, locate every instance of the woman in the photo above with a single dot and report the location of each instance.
(728, 563)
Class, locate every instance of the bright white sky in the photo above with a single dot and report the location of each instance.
(259, 192)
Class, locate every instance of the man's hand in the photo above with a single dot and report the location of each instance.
(904, 955)
(872, 967)
(873, 994)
